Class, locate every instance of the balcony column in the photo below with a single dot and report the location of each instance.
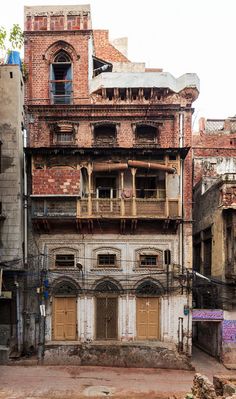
(89, 169)
(134, 210)
(122, 204)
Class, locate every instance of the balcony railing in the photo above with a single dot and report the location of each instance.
(110, 208)
(61, 91)
(53, 208)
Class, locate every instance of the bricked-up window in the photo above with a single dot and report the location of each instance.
(106, 260)
(61, 79)
(146, 134)
(40, 23)
(73, 22)
(64, 260)
(57, 22)
(148, 261)
(105, 135)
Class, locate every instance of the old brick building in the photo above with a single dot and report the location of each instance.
(214, 229)
(109, 194)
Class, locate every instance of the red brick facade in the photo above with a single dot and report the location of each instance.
(162, 108)
(210, 145)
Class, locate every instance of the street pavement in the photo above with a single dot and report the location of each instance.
(76, 382)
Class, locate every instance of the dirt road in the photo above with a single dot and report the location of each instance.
(75, 382)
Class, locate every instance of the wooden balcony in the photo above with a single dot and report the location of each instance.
(105, 208)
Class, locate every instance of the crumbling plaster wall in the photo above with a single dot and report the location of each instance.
(11, 176)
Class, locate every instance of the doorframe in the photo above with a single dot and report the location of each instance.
(53, 316)
(107, 295)
(159, 314)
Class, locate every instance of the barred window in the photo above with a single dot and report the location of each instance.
(64, 260)
(148, 260)
(64, 137)
(106, 260)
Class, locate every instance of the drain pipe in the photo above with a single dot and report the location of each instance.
(181, 144)
(18, 332)
(25, 234)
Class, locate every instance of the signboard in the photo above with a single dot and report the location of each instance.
(229, 331)
(208, 314)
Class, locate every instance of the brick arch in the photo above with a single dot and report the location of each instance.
(107, 285)
(149, 286)
(65, 285)
(60, 45)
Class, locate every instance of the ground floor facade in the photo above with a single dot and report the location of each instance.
(110, 289)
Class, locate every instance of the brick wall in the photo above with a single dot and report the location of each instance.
(209, 150)
(40, 133)
(56, 181)
(39, 55)
(104, 49)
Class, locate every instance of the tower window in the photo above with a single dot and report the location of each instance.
(61, 79)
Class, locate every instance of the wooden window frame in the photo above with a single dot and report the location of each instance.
(70, 262)
(142, 258)
(107, 265)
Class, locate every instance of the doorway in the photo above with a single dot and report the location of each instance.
(148, 324)
(64, 318)
(106, 318)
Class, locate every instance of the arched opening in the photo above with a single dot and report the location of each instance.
(107, 310)
(61, 79)
(64, 315)
(148, 310)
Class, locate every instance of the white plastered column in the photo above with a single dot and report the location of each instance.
(126, 318)
(85, 317)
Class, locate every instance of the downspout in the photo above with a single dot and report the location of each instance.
(25, 202)
(18, 334)
(181, 144)
(25, 233)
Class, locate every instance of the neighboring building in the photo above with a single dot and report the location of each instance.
(109, 195)
(214, 233)
(11, 200)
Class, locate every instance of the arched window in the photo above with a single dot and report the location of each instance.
(61, 79)
(148, 288)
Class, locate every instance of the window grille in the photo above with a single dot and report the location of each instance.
(64, 260)
(107, 260)
(148, 260)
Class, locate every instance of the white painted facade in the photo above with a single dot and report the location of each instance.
(127, 275)
(171, 309)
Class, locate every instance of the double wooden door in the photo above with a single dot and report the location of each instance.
(106, 318)
(148, 318)
(64, 318)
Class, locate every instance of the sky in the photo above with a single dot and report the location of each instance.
(179, 36)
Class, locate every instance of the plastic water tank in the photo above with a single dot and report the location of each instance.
(14, 58)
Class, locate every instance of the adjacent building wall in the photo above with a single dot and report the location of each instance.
(11, 198)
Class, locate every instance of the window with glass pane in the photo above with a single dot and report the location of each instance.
(148, 260)
(64, 260)
(107, 260)
(61, 79)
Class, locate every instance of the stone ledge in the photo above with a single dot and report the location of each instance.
(122, 355)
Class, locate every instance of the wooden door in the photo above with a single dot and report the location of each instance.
(106, 318)
(147, 318)
(64, 319)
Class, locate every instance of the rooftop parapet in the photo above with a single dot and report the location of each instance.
(57, 18)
